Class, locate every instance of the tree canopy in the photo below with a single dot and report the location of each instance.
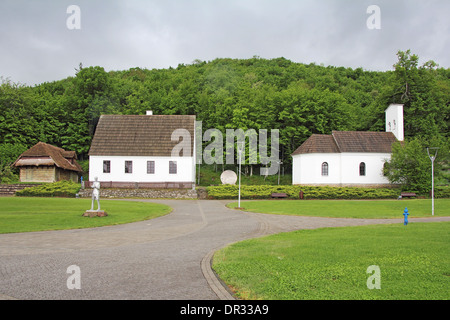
(297, 99)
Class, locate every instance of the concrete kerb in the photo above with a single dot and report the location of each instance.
(219, 287)
(215, 283)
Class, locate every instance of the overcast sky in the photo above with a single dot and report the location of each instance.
(38, 46)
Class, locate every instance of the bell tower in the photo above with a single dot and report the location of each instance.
(394, 120)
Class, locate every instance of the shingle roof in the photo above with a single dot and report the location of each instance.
(364, 141)
(139, 135)
(348, 141)
(46, 154)
(318, 143)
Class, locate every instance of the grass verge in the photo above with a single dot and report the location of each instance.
(39, 214)
(367, 209)
(332, 263)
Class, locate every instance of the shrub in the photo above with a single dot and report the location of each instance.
(8, 154)
(442, 192)
(57, 189)
(309, 192)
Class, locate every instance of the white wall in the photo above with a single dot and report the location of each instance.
(184, 173)
(307, 168)
(343, 168)
(374, 168)
(394, 120)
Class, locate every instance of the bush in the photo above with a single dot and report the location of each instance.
(57, 189)
(442, 192)
(8, 175)
(309, 192)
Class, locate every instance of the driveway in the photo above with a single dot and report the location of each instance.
(167, 258)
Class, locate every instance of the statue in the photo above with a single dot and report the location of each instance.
(95, 197)
(95, 194)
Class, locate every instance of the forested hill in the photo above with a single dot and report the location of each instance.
(296, 98)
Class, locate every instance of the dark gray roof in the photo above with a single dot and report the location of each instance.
(348, 141)
(139, 135)
(318, 143)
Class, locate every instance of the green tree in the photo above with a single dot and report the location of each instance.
(410, 165)
(17, 116)
(9, 152)
(90, 95)
(416, 87)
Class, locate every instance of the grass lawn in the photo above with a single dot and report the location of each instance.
(331, 263)
(368, 209)
(21, 214)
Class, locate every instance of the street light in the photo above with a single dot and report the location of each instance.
(432, 158)
(240, 146)
(279, 162)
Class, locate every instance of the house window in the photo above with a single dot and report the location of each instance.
(106, 166)
(362, 169)
(128, 166)
(150, 167)
(172, 167)
(325, 169)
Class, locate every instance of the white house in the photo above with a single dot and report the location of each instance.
(141, 151)
(348, 158)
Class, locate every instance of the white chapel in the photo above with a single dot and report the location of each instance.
(348, 158)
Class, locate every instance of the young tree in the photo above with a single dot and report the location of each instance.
(410, 165)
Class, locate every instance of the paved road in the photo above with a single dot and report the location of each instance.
(166, 258)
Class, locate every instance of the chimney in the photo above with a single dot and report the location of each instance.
(394, 120)
(149, 113)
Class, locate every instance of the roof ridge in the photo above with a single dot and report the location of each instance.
(335, 141)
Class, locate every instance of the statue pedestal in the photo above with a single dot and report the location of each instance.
(95, 213)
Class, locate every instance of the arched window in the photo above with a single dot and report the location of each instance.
(362, 169)
(325, 169)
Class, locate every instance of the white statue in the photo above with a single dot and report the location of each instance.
(96, 193)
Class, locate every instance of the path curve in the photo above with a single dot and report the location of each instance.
(166, 258)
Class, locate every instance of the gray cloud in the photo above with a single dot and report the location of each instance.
(37, 46)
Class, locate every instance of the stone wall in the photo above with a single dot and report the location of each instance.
(10, 189)
(142, 185)
(110, 193)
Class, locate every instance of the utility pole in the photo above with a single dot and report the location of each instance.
(240, 147)
(432, 158)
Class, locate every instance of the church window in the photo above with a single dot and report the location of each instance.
(362, 169)
(325, 169)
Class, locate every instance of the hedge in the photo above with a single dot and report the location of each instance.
(56, 189)
(442, 192)
(309, 192)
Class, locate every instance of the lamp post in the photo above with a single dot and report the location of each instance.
(432, 158)
(240, 146)
(279, 169)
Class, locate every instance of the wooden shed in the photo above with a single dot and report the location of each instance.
(46, 163)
